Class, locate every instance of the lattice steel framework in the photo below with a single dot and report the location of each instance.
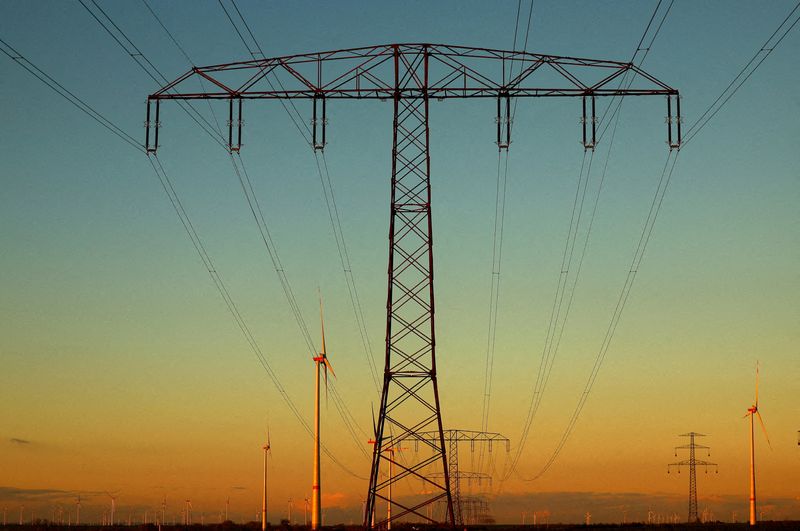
(411, 76)
(453, 438)
(692, 463)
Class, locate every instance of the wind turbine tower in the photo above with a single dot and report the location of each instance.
(267, 450)
(78, 511)
(321, 362)
(113, 506)
(752, 411)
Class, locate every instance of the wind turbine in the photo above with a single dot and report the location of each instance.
(78, 511)
(751, 412)
(113, 506)
(267, 450)
(391, 450)
(322, 362)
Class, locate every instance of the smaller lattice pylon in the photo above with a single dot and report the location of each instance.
(454, 438)
(692, 463)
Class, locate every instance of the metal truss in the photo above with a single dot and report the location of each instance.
(411, 76)
(450, 72)
(692, 463)
(453, 438)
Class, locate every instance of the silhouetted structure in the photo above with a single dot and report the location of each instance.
(411, 76)
(692, 463)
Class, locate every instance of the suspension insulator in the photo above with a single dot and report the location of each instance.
(503, 120)
(318, 124)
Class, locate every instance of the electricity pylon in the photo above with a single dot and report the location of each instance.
(411, 76)
(692, 463)
(453, 438)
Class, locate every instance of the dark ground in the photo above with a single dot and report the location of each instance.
(256, 526)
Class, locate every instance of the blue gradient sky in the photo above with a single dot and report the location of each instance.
(121, 366)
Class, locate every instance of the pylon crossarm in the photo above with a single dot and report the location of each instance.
(705, 463)
(457, 72)
(403, 72)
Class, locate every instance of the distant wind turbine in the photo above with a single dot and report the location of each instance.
(322, 362)
(751, 412)
(78, 511)
(267, 450)
(113, 506)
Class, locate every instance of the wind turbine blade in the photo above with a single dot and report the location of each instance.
(756, 404)
(322, 324)
(325, 372)
(764, 428)
(374, 425)
(330, 368)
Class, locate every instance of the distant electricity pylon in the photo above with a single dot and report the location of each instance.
(453, 438)
(411, 76)
(692, 463)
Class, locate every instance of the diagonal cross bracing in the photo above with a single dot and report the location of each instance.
(410, 398)
(402, 73)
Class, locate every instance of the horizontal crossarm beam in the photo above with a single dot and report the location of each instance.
(455, 72)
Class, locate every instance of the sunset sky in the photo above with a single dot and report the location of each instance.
(121, 369)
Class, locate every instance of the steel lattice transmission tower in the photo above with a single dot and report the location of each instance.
(692, 463)
(411, 76)
(453, 438)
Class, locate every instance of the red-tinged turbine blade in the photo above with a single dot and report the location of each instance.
(756, 404)
(330, 368)
(764, 428)
(322, 323)
(325, 372)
